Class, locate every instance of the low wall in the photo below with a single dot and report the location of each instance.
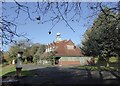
(76, 61)
(66, 63)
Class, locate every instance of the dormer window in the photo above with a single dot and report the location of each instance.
(70, 47)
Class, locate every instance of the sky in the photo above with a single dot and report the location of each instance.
(38, 33)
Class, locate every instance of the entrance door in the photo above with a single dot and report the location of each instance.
(57, 60)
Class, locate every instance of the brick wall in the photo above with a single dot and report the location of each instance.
(76, 61)
(66, 63)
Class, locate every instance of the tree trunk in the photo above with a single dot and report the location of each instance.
(118, 63)
(107, 61)
(108, 64)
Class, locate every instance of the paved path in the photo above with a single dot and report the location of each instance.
(66, 75)
(62, 75)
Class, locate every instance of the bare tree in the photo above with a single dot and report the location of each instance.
(59, 11)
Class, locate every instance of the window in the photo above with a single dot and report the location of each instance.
(70, 47)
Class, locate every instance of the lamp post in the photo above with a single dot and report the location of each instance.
(19, 63)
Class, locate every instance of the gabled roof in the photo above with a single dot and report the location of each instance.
(61, 48)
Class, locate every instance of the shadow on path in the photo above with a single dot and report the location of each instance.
(59, 75)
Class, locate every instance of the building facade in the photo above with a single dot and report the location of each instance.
(66, 53)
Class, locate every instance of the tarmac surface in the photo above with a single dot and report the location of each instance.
(57, 75)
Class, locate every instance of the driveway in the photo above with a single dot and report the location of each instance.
(66, 75)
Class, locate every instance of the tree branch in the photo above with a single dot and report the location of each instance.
(64, 18)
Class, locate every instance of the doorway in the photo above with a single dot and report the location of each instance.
(57, 60)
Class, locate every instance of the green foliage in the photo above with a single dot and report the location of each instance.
(39, 53)
(29, 50)
(13, 51)
(23, 58)
(103, 37)
(22, 45)
(33, 49)
(35, 58)
(113, 59)
(101, 65)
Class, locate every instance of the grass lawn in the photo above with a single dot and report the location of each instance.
(101, 65)
(10, 70)
(7, 69)
(95, 68)
(112, 59)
